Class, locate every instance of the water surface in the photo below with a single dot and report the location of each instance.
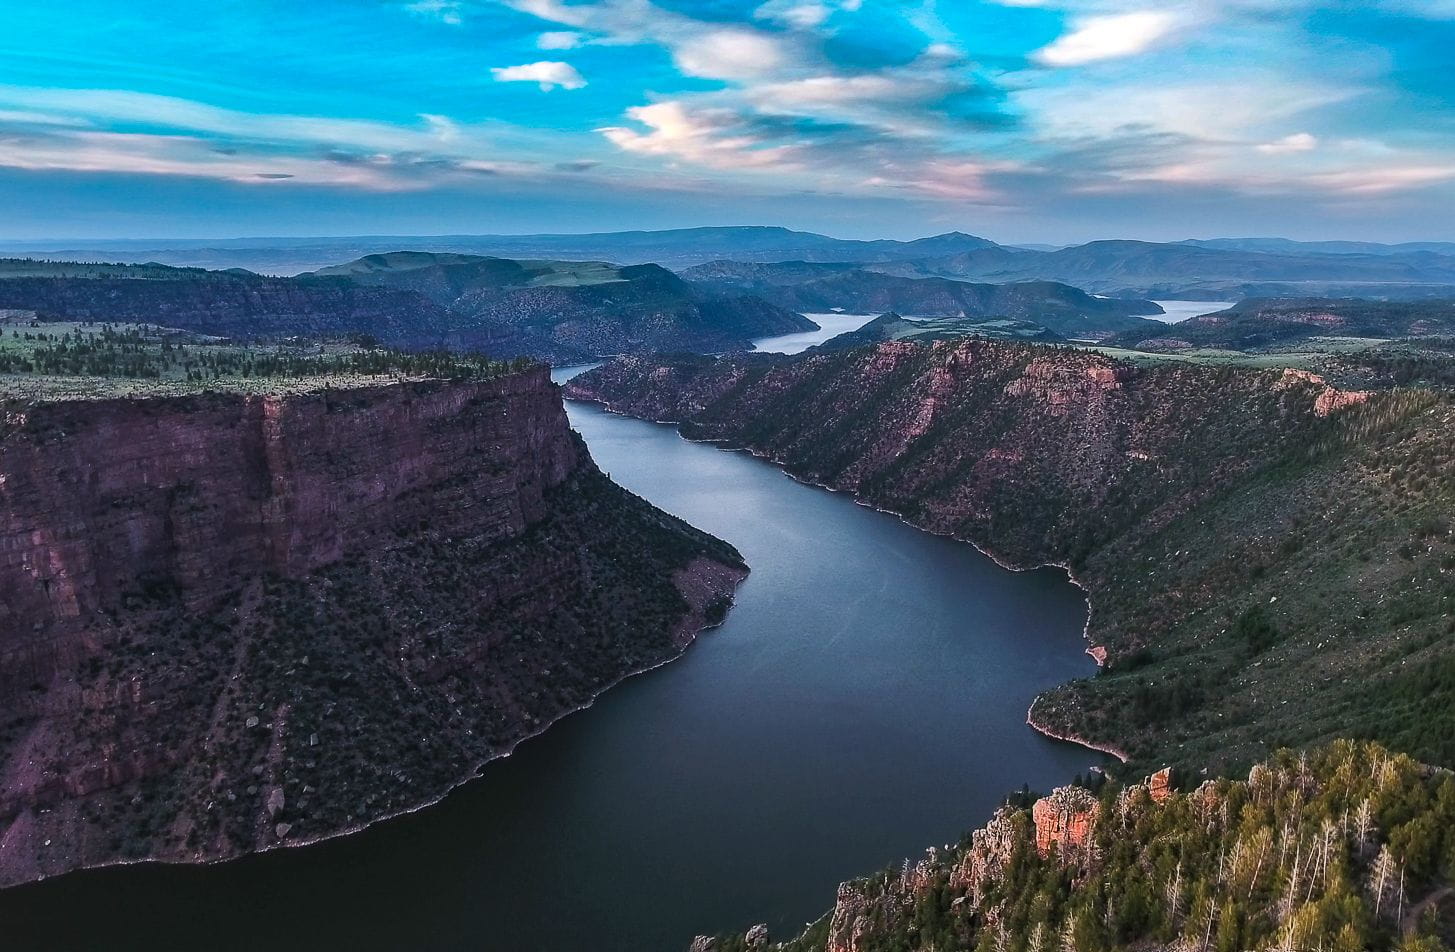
(829, 326)
(1179, 311)
(865, 699)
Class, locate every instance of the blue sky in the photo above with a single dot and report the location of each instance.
(1025, 120)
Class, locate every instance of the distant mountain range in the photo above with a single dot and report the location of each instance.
(1226, 268)
(676, 248)
(560, 311)
(816, 288)
(1283, 246)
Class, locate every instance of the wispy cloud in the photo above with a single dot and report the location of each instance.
(560, 40)
(1297, 142)
(1036, 104)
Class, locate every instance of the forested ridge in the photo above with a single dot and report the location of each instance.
(1343, 848)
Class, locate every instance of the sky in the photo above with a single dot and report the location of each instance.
(1023, 120)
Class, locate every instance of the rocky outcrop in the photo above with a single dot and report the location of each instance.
(1330, 399)
(229, 622)
(1152, 873)
(1159, 785)
(991, 850)
(1064, 821)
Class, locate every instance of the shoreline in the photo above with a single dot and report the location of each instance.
(1095, 651)
(681, 639)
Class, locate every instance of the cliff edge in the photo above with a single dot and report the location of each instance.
(235, 621)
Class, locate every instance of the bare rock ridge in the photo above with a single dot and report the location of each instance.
(1239, 532)
(230, 622)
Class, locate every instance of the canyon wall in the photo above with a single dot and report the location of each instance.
(233, 621)
(1265, 555)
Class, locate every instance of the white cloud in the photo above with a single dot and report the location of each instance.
(1379, 181)
(1231, 106)
(117, 153)
(445, 129)
(729, 54)
(547, 74)
(1108, 37)
(123, 107)
(559, 40)
(712, 137)
(1298, 142)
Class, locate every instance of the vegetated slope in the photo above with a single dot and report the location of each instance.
(419, 301)
(1346, 847)
(78, 360)
(1268, 557)
(576, 310)
(892, 327)
(1064, 310)
(1267, 322)
(232, 304)
(230, 622)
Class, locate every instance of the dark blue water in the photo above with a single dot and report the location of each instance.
(865, 699)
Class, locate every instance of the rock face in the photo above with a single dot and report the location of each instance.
(232, 621)
(1180, 496)
(1064, 820)
(1159, 785)
(109, 497)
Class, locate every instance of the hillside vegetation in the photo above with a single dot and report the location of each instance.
(892, 327)
(1269, 558)
(81, 360)
(1273, 322)
(411, 300)
(818, 288)
(576, 310)
(1347, 848)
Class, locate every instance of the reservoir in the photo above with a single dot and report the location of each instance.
(864, 700)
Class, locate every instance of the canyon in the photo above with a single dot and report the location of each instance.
(1264, 552)
(240, 621)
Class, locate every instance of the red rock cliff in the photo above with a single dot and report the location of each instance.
(231, 621)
